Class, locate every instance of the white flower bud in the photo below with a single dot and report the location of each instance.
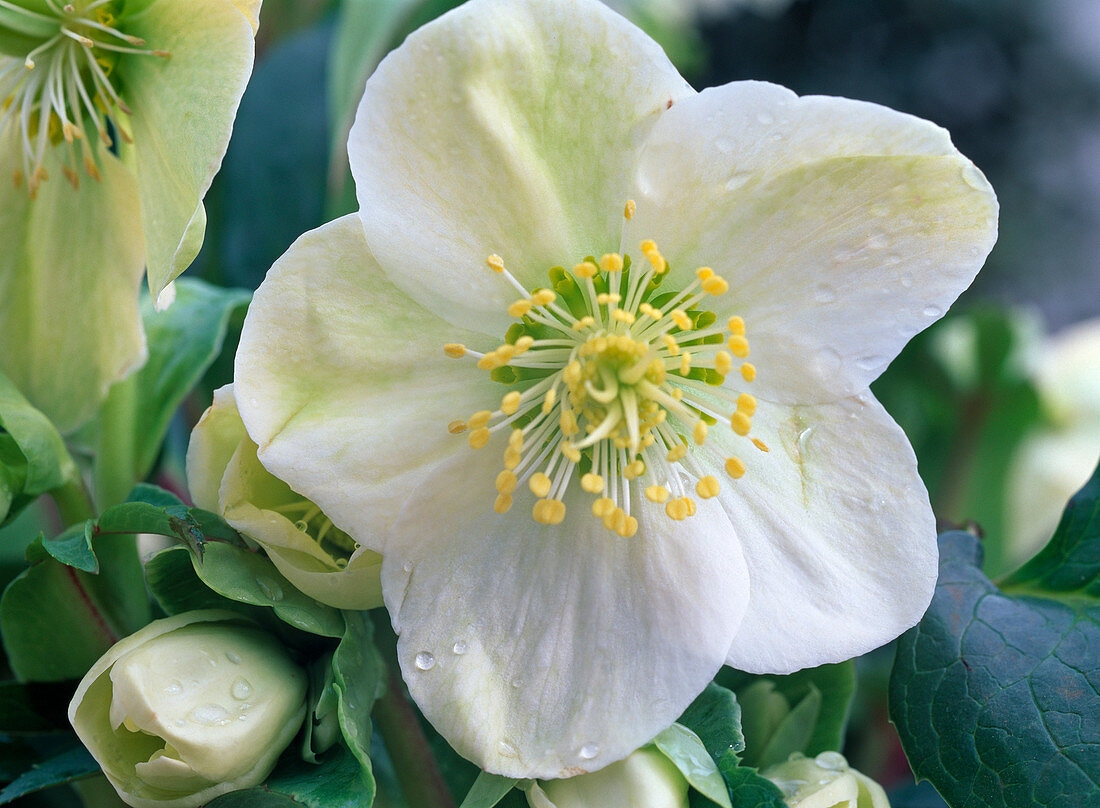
(188, 708)
(644, 779)
(825, 781)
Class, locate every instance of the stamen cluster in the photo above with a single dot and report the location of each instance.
(63, 88)
(613, 380)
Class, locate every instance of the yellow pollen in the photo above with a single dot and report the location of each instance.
(685, 362)
(683, 322)
(676, 452)
(707, 487)
(510, 403)
(735, 467)
(506, 482)
(689, 503)
(455, 350)
(480, 419)
(456, 427)
(572, 373)
(737, 326)
(592, 483)
(603, 298)
(519, 308)
(478, 438)
(548, 511)
(543, 297)
(515, 440)
(759, 444)
(585, 322)
(568, 423)
(739, 346)
(740, 423)
(629, 210)
(602, 507)
(549, 400)
(511, 458)
(676, 509)
(748, 371)
(611, 262)
(623, 316)
(657, 493)
(585, 269)
(716, 285)
(650, 251)
(629, 527)
(524, 343)
(539, 484)
(503, 503)
(700, 432)
(495, 262)
(649, 311)
(634, 469)
(723, 362)
(746, 404)
(671, 343)
(571, 452)
(703, 273)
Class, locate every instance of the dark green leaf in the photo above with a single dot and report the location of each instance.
(34, 708)
(995, 696)
(488, 790)
(69, 765)
(715, 716)
(173, 582)
(360, 678)
(74, 548)
(337, 781)
(748, 789)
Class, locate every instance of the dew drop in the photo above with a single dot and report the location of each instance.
(270, 589)
(803, 439)
(459, 647)
(933, 311)
(517, 682)
(302, 525)
(974, 178)
(173, 688)
(241, 689)
(407, 566)
(869, 362)
(589, 751)
(233, 657)
(210, 715)
(824, 293)
(907, 281)
(827, 362)
(424, 661)
(179, 722)
(765, 118)
(506, 749)
(737, 180)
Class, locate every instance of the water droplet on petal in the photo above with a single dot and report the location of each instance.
(517, 682)
(506, 749)
(827, 362)
(424, 661)
(459, 647)
(210, 715)
(407, 566)
(270, 589)
(589, 751)
(233, 657)
(737, 180)
(869, 362)
(173, 688)
(241, 689)
(933, 311)
(302, 525)
(974, 178)
(824, 293)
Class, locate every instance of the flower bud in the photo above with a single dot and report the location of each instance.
(225, 476)
(825, 781)
(188, 708)
(644, 779)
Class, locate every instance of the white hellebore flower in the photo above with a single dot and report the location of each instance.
(689, 508)
(643, 779)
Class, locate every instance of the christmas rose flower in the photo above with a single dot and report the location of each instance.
(590, 369)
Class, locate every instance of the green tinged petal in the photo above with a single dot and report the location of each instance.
(183, 110)
(70, 269)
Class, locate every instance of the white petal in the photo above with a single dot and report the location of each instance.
(836, 529)
(843, 227)
(547, 651)
(214, 440)
(507, 127)
(342, 381)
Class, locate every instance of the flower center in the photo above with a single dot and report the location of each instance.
(310, 520)
(613, 380)
(62, 86)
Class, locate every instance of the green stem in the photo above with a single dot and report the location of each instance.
(113, 474)
(399, 724)
(74, 503)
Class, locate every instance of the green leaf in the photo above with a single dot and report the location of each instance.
(687, 752)
(56, 620)
(359, 678)
(748, 789)
(183, 341)
(338, 781)
(177, 588)
(64, 767)
(994, 693)
(74, 547)
(33, 457)
(34, 708)
(488, 790)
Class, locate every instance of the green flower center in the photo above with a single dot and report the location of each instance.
(613, 380)
(62, 89)
(310, 520)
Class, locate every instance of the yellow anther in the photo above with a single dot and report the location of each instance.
(549, 400)
(737, 326)
(707, 487)
(748, 371)
(584, 323)
(623, 316)
(603, 298)
(543, 297)
(676, 509)
(503, 503)
(689, 503)
(480, 419)
(740, 423)
(703, 273)
(602, 507)
(671, 344)
(506, 482)
(510, 403)
(495, 262)
(616, 520)
(548, 511)
(723, 362)
(519, 308)
(735, 467)
(515, 440)
(557, 511)
(685, 362)
(505, 352)
(524, 343)
(592, 483)
(511, 458)
(539, 512)
(585, 269)
(455, 350)
(700, 432)
(676, 452)
(739, 346)
(629, 210)
(611, 262)
(539, 484)
(759, 444)
(489, 362)
(456, 427)
(478, 438)
(657, 493)
(716, 285)
(679, 316)
(746, 404)
(678, 393)
(572, 373)
(649, 249)
(649, 311)
(568, 423)
(571, 452)
(633, 470)
(629, 528)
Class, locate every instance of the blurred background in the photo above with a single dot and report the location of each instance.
(1001, 398)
